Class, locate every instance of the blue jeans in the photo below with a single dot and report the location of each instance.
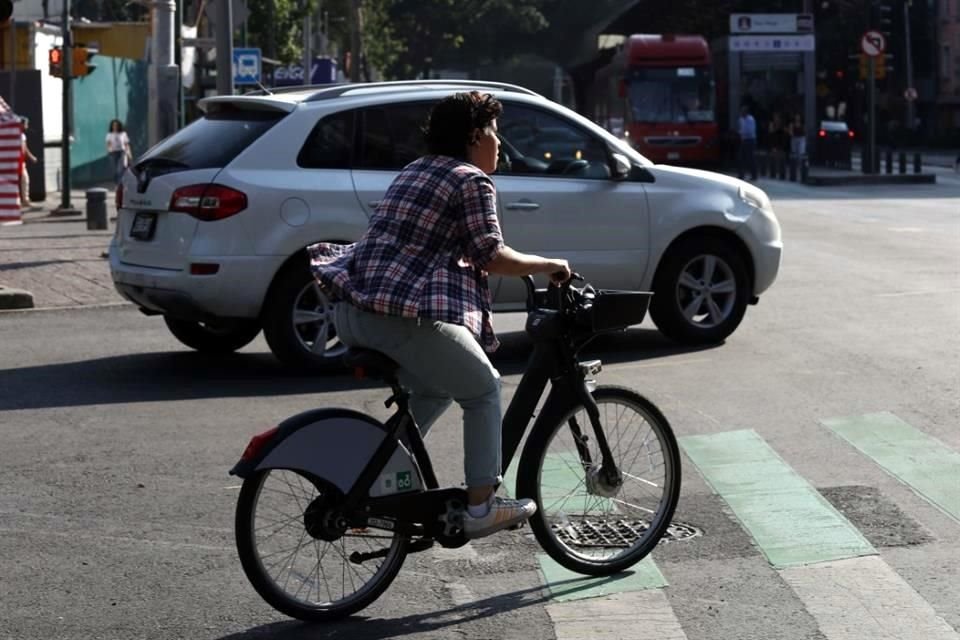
(440, 362)
(119, 161)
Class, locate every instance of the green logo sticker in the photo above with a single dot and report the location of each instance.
(404, 481)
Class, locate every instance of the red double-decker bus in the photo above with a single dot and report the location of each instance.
(658, 91)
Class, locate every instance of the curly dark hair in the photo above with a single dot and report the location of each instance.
(453, 123)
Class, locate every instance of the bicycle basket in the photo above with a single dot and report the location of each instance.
(613, 309)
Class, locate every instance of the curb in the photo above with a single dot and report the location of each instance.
(877, 179)
(15, 298)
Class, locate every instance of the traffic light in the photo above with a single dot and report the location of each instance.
(56, 62)
(81, 61)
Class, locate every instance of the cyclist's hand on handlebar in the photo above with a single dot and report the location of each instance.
(559, 271)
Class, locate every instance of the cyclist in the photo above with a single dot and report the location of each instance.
(414, 287)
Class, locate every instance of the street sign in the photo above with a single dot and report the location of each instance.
(910, 94)
(771, 23)
(246, 66)
(873, 43)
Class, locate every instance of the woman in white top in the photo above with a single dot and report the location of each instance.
(118, 148)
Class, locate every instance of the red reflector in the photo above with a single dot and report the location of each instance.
(203, 268)
(823, 134)
(119, 196)
(208, 201)
(850, 133)
(257, 443)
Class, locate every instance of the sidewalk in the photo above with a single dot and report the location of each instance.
(54, 261)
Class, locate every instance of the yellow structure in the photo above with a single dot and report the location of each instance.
(115, 39)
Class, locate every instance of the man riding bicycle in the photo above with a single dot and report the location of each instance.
(415, 288)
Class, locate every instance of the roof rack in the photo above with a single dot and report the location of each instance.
(328, 92)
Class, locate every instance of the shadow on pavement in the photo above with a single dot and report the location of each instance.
(185, 375)
(360, 628)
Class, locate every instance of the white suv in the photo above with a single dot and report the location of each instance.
(213, 220)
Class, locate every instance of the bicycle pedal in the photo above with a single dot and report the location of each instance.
(420, 544)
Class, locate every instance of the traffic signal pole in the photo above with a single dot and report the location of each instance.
(872, 110)
(66, 64)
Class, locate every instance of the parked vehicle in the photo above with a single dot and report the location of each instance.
(213, 221)
(834, 144)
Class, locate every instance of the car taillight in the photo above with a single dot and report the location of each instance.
(118, 202)
(257, 443)
(850, 133)
(822, 134)
(208, 201)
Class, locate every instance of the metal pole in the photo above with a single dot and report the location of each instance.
(67, 69)
(872, 111)
(355, 41)
(178, 60)
(224, 41)
(163, 71)
(906, 32)
(307, 48)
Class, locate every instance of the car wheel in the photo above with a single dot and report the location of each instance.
(701, 291)
(224, 336)
(298, 322)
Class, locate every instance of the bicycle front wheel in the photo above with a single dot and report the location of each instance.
(582, 521)
(300, 554)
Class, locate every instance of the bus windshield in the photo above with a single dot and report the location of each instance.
(671, 94)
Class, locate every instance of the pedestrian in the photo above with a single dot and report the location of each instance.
(27, 157)
(798, 137)
(118, 148)
(747, 130)
(415, 288)
(778, 141)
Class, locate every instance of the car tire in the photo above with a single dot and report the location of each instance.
(224, 336)
(681, 279)
(295, 315)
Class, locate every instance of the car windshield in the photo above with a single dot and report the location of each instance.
(671, 94)
(213, 140)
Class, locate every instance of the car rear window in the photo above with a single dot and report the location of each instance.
(215, 139)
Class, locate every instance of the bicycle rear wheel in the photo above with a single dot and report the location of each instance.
(581, 522)
(296, 549)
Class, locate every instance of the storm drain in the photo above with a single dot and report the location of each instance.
(617, 533)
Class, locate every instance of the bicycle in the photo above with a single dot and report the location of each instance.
(336, 495)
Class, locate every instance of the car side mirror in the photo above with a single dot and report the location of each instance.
(621, 167)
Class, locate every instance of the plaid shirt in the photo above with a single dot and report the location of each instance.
(424, 253)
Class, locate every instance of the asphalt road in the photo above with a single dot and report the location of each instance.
(116, 509)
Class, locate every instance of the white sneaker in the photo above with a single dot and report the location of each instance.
(503, 513)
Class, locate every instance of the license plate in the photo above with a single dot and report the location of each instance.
(144, 224)
(673, 155)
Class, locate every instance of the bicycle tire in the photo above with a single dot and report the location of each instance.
(267, 585)
(549, 527)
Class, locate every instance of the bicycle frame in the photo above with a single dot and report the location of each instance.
(554, 360)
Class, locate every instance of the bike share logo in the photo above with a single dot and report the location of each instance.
(393, 482)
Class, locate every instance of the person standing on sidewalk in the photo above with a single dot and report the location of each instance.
(747, 129)
(27, 157)
(118, 148)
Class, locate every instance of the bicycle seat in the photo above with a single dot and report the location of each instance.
(371, 363)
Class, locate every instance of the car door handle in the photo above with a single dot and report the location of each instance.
(523, 205)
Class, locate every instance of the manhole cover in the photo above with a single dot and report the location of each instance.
(617, 533)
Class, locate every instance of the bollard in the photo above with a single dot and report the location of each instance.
(96, 208)
(902, 159)
(889, 161)
(916, 162)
